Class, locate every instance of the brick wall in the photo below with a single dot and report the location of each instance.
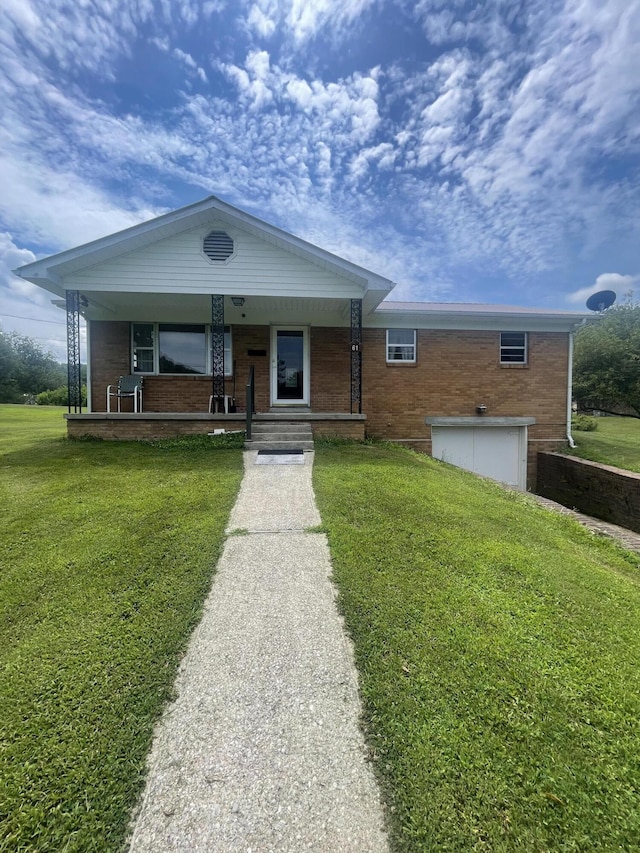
(339, 429)
(139, 428)
(457, 370)
(109, 354)
(330, 369)
(599, 490)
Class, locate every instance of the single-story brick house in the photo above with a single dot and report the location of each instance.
(193, 300)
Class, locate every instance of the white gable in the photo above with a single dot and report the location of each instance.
(177, 264)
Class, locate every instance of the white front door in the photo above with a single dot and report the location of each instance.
(289, 366)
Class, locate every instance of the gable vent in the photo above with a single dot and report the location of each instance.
(218, 246)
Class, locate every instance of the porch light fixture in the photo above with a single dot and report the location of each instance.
(481, 409)
(238, 301)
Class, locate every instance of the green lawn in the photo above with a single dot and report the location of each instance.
(498, 648)
(615, 442)
(107, 551)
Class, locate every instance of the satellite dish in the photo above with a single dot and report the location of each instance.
(601, 300)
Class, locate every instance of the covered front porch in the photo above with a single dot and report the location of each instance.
(197, 301)
(197, 377)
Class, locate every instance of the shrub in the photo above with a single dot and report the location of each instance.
(58, 397)
(584, 423)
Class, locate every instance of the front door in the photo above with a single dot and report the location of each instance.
(289, 366)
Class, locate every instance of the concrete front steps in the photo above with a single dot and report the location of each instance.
(280, 435)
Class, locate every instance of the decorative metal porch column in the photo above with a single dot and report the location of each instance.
(356, 356)
(74, 375)
(217, 350)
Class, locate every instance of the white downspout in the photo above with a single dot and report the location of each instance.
(572, 443)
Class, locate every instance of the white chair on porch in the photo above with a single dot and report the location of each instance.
(216, 402)
(127, 387)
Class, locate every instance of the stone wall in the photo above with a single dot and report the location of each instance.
(603, 491)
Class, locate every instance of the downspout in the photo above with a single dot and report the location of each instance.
(572, 443)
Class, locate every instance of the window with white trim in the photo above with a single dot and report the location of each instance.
(143, 338)
(401, 345)
(176, 349)
(513, 347)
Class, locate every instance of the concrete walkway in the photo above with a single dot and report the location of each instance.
(261, 750)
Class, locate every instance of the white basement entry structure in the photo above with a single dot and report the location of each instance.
(492, 447)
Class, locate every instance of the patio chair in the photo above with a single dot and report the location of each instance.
(128, 386)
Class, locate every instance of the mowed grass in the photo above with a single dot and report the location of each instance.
(615, 442)
(497, 645)
(107, 551)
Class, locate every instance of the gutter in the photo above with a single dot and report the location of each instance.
(572, 443)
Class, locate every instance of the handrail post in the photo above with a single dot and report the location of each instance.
(249, 402)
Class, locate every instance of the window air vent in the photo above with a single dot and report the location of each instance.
(218, 246)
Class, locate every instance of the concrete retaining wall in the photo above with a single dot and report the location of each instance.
(603, 491)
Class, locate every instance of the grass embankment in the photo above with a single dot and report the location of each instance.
(616, 441)
(498, 648)
(106, 554)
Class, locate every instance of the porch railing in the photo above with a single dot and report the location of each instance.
(250, 401)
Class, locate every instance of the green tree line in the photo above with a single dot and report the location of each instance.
(607, 361)
(28, 372)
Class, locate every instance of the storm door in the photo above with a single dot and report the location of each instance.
(289, 366)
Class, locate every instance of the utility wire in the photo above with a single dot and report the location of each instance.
(34, 319)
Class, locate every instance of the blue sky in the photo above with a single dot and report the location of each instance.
(471, 151)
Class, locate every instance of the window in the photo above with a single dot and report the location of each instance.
(176, 348)
(513, 347)
(401, 345)
(183, 349)
(143, 346)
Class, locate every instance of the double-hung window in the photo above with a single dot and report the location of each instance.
(401, 345)
(513, 347)
(143, 342)
(176, 348)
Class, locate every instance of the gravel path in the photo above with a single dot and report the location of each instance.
(261, 750)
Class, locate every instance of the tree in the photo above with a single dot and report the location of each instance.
(25, 368)
(607, 362)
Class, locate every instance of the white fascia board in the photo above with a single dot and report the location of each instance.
(506, 320)
(46, 279)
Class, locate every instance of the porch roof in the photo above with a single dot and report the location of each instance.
(196, 308)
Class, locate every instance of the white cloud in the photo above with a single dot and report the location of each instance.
(185, 57)
(25, 308)
(306, 18)
(620, 284)
(300, 92)
(260, 22)
(53, 206)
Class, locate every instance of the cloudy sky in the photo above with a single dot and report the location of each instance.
(471, 151)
